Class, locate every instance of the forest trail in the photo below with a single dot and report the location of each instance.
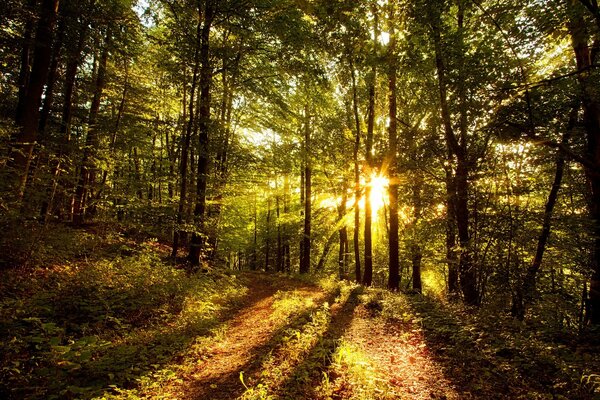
(217, 376)
(256, 357)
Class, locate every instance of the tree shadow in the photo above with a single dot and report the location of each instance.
(110, 355)
(488, 358)
(229, 385)
(306, 377)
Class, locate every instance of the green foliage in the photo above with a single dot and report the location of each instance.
(83, 329)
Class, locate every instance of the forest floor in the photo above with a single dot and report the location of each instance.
(114, 319)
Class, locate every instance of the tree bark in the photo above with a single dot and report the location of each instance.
(393, 240)
(87, 175)
(51, 81)
(466, 269)
(26, 56)
(197, 242)
(22, 149)
(525, 290)
(357, 191)
(590, 101)
(306, 238)
(343, 234)
(368, 275)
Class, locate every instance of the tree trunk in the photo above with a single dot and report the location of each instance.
(590, 102)
(49, 92)
(287, 261)
(22, 150)
(87, 173)
(185, 148)
(526, 288)
(306, 238)
(368, 275)
(268, 237)
(357, 191)
(393, 240)
(197, 242)
(343, 234)
(466, 269)
(73, 61)
(25, 71)
(451, 256)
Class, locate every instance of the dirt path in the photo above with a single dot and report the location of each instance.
(247, 336)
(399, 355)
(258, 343)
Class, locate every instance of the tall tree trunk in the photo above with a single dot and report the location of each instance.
(73, 60)
(49, 92)
(451, 256)
(466, 269)
(268, 236)
(525, 289)
(185, 145)
(368, 275)
(22, 150)
(343, 234)
(197, 242)
(357, 191)
(416, 249)
(25, 71)
(279, 258)
(394, 262)
(287, 260)
(306, 238)
(590, 102)
(87, 175)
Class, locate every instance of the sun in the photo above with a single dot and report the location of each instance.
(378, 195)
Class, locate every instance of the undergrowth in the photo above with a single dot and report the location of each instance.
(89, 329)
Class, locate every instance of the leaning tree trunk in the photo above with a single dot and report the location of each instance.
(525, 290)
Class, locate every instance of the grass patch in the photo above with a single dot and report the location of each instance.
(91, 328)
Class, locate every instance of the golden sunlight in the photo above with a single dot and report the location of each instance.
(379, 194)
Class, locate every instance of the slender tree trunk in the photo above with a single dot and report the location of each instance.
(343, 234)
(87, 176)
(306, 239)
(50, 84)
(73, 61)
(451, 256)
(185, 146)
(393, 240)
(279, 258)
(26, 58)
(525, 289)
(325, 253)
(357, 191)
(268, 237)
(254, 265)
(29, 112)
(466, 269)
(287, 260)
(368, 275)
(197, 242)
